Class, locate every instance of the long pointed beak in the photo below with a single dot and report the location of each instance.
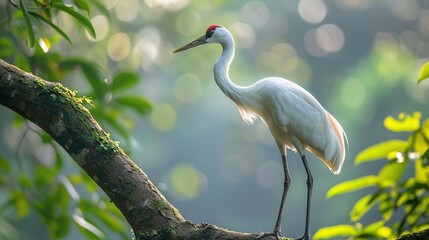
(197, 42)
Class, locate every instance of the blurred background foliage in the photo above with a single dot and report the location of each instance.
(361, 59)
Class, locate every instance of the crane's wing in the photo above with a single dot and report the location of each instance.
(299, 114)
(303, 121)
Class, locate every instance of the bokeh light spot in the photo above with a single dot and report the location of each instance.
(110, 3)
(283, 58)
(233, 168)
(127, 11)
(149, 44)
(385, 44)
(163, 117)
(330, 37)
(269, 175)
(171, 5)
(45, 44)
(391, 66)
(323, 40)
(405, 10)
(288, 56)
(312, 11)
(186, 181)
(189, 23)
(256, 13)
(423, 21)
(187, 88)
(101, 26)
(302, 73)
(311, 44)
(244, 33)
(353, 93)
(119, 47)
(354, 4)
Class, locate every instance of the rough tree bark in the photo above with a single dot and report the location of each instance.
(58, 111)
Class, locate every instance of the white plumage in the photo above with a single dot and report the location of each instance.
(295, 118)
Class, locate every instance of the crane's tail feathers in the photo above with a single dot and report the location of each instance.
(335, 149)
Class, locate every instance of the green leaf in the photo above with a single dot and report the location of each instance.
(46, 138)
(58, 159)
(386, 208)
(112, 222)
(425, 158)
(372, 228)
(392, 171)
(138, 103)
(6, 47)
(70, 10)
(92, 72)
(87, 228)
(107, 217)
(412, 186)
(124, 80)
(89, 184)
(50, 23)
(25, 181)
(353, 185)
(61, 196)
(377, 229)
(61, 226)
(421, 172)
(83, 4)
(75, 178)
(363, 205)
(101, 7)
(8, 230)
(113, 119)
(44, 176)
(384, 232)
(4, 165)
(29, 27)
(335, 231)
(420, 144)
(22, 62)
(21, 204)
(424, 72)
(380, 150)
(425, 128)
(404, 123)
(404, 197)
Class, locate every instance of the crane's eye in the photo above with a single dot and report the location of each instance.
(210, 33)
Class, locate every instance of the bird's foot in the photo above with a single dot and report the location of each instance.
(275, 234)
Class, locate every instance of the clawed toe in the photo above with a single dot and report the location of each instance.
(275, 234)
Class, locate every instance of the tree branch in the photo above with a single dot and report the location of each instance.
(59, 112)
(424, 234)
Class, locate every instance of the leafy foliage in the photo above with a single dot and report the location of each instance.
(424, 72)
(403, 203)
(63, 200)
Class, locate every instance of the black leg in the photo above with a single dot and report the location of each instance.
(309, 190)
(286, 184)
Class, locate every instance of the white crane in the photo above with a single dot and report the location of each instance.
(295, 118)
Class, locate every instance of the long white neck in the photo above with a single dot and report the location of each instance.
(221, 69)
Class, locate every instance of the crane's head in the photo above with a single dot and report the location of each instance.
(214, 34)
